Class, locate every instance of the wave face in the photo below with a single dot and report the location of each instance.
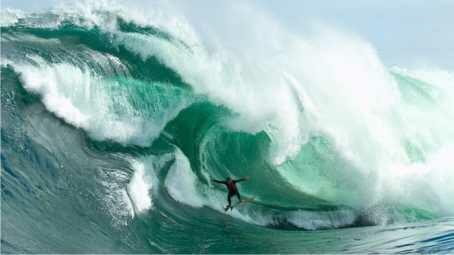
(112, 128)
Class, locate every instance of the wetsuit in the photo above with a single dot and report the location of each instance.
(233, 190)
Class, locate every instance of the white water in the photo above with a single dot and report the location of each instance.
(10, 16)
(88, 100)
(139, 188)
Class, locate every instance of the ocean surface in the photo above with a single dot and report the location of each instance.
(113, 124)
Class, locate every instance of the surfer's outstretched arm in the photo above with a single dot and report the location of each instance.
(218, 181)
(242, 179)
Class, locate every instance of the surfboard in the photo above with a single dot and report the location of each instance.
(243, 201)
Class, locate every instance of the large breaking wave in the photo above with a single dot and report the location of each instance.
(329, 135)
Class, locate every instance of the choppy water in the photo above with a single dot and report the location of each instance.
(112, 127)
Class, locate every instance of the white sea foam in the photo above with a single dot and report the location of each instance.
(9, 16)
(139, 188)
(89, 101)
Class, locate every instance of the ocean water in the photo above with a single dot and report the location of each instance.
(113, 124)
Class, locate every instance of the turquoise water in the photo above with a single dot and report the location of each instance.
(112, 128)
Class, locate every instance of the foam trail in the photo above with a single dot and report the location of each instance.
(139, 188)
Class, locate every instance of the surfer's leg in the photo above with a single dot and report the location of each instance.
(229, 200)
(238, 195)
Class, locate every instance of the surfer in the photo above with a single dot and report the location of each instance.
(231, 187)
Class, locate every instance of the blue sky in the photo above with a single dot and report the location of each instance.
(412, 33)
(404, 32)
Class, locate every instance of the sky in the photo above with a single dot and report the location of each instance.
(410, 33)
(404, 32)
